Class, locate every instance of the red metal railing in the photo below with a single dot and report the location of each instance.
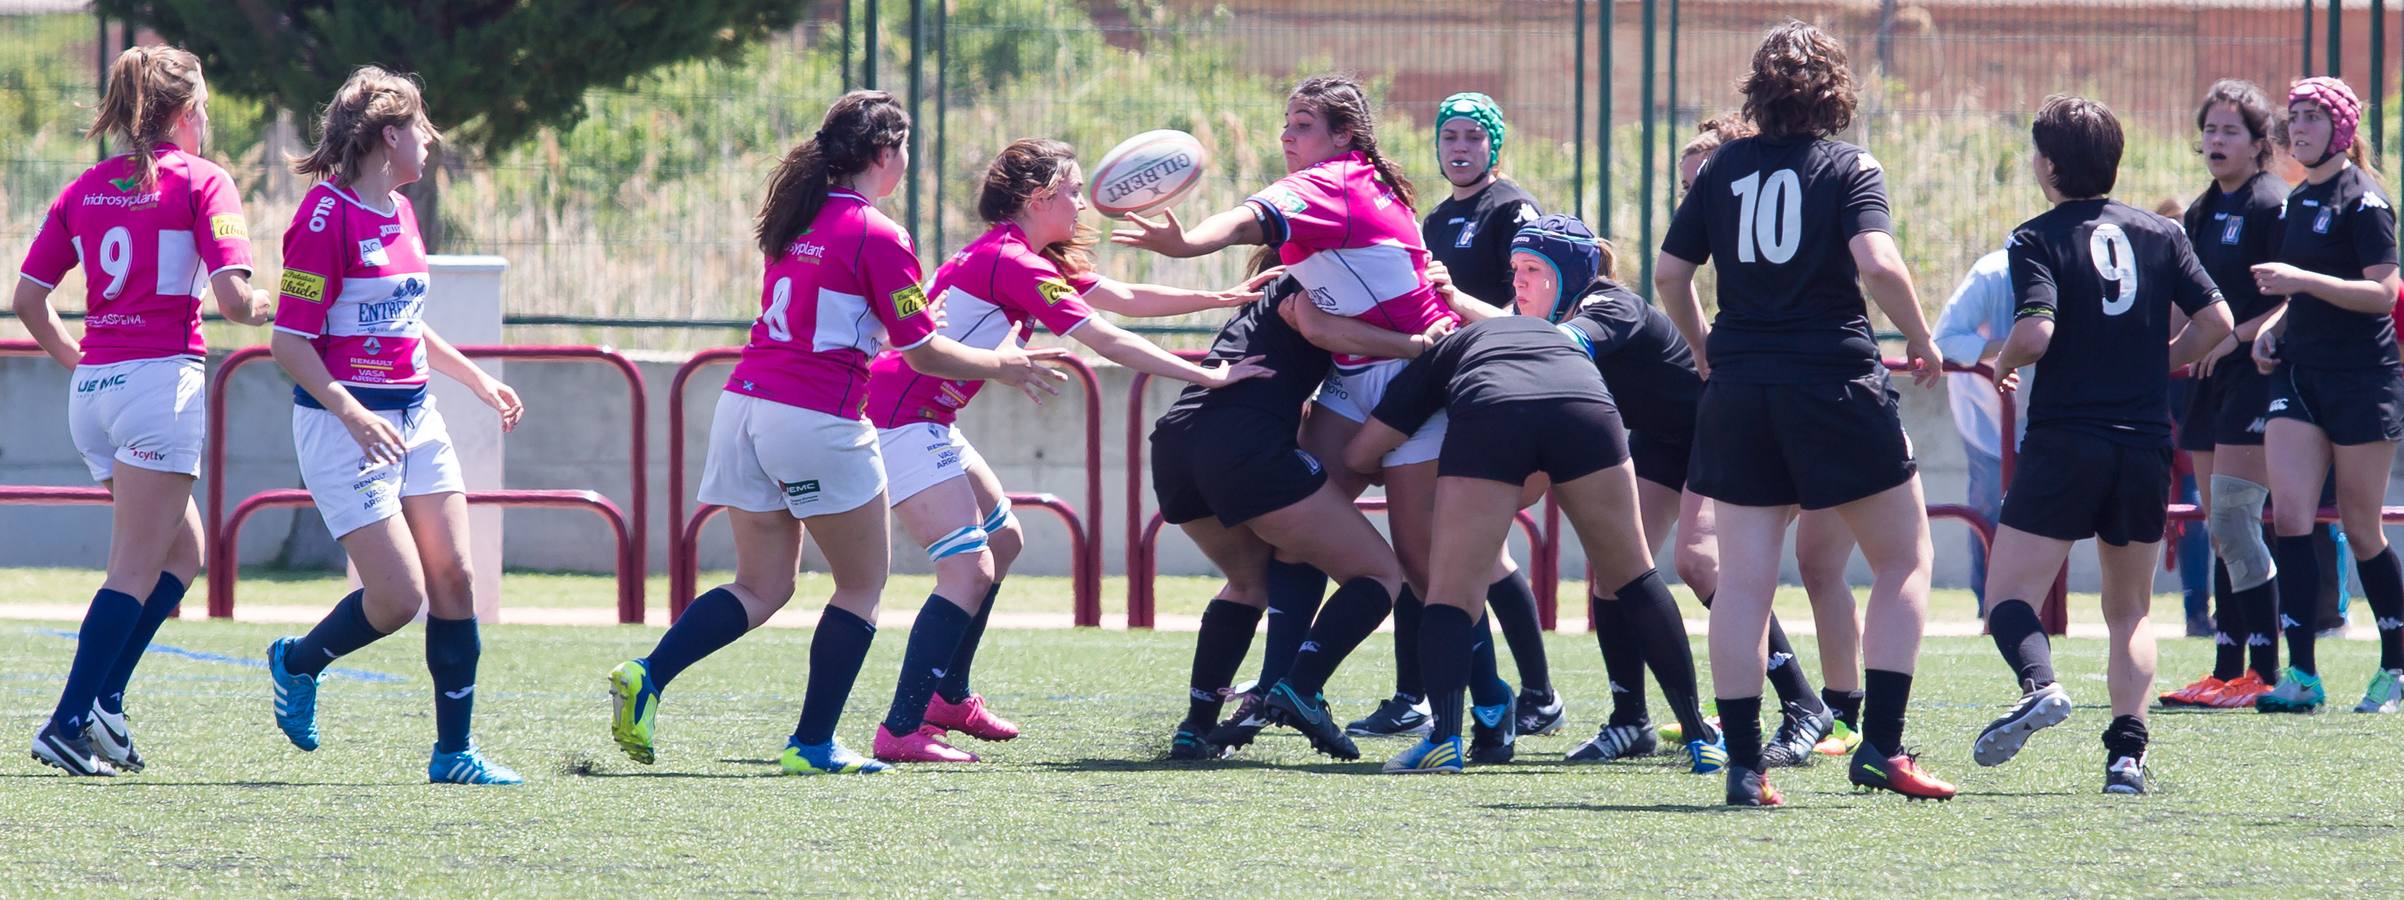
(1142, 565)
(630, 563)
(45, 494)
(1086, 535)
(630, 578)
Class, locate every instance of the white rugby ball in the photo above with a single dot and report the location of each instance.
(1146, 172)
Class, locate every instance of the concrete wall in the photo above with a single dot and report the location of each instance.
(575, 436)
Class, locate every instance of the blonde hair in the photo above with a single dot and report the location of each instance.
(148, 89)
(353, 123)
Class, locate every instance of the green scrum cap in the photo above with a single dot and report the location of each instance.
(1477, 108)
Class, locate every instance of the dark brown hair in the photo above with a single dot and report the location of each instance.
(860, 125)
(1027, 169)
(148, 88)
(353, 123)
(1800, 84)
(1712, 132)
(1343, 107)
(2253, 108)
(2081, 138)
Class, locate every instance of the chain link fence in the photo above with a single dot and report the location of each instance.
(641, 215)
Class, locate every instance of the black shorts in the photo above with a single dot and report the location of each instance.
(1507, 442)
(1231, 463)
(1660, 460)
(2071, 486)
(2351, 406)
(1814, 445)
(2227, 408)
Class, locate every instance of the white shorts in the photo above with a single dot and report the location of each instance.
(352, 494)
(921, 455)
(146, 413)
(765, 456)
(1353, 392)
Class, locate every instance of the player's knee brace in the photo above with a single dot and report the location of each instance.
(2236, 519)
(1000, 518)
(967, 539)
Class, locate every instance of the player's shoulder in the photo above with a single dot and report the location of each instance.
(1505, 196)
(1842, 158)
(2264, 193)
(195, 168)
(2358, 190)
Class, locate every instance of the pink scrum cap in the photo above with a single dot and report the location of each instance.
(2345, 110)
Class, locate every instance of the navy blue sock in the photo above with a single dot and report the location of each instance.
(341, 633)
(1445, 635)
(713, 620)
(835, 655)
(934, 640)
(452, 647)
(1486, 686)
(954, 685)
(2299, 598)
(97, 646)
(1350, 617)
(1407, 680)
(1295, 590)
(1218, 652)
(1512, 604)
(162, 603)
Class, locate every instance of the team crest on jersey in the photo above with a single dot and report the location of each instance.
(229, 225)
(300, 285)
(371, 253)
(1054, 290)
(1468, 233)
(2320, 223)
(909, 301)
(2230, 231)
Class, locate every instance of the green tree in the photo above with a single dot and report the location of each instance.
(495, 71)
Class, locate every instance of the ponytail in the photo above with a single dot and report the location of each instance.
(859, 126)
(2362, 160)
(1608, 266)
(1344, 108)
(148, 89)
(352, 124)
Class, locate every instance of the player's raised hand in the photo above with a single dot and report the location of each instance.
(1025, 370)
(1218, 374)
(1165, 237)
(1250, 289)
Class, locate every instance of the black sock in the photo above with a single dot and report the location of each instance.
(1512, 604)
(2299, 598)
(1886, 696)
(2383, 589)
(835, 655)
(1486, 685)
(1846, 705)
(452, 648)
(954, 686)
(1740, 723)
(163, 599)
(712, 621)
(1349, 618)
(341, 633)
(98, 643)
(2126, 736)
(1445, 635)
(934, 640)
(1653, 614)
(1623, 660)
(1295, 590)
(1218, 653)
(2228, 627)
(2021, 638)
(2261, 604)
(1408, 680)
(1786, 671)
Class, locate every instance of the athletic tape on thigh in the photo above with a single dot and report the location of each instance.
(968, 539)
(1000, 518)
(2236, 519)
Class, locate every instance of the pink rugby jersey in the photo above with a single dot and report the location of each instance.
(1353, 245)
(992, 292)
(848, 282)
(147, 255)
(355, 285)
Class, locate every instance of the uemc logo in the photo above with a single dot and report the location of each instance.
(101, 383)
(1142, 180)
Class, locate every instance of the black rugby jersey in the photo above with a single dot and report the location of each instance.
(2337, 228)
(2231, 232)
(1472, 238)
(1644, 361)
(1501, 360)
(2107, 275)
(1257, 330)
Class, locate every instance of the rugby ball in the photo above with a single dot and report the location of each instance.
(1146, 172)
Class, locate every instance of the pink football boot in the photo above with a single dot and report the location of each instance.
(970, 718)
(922, 746)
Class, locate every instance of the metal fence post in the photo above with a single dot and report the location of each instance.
(845, 80)
(1577, 115)
(2337, 30)
(917, 87)
(943, 61)
(1602, 130)
(1644, 156)
(868, 45)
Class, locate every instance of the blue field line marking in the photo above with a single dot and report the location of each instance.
(205, 656)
